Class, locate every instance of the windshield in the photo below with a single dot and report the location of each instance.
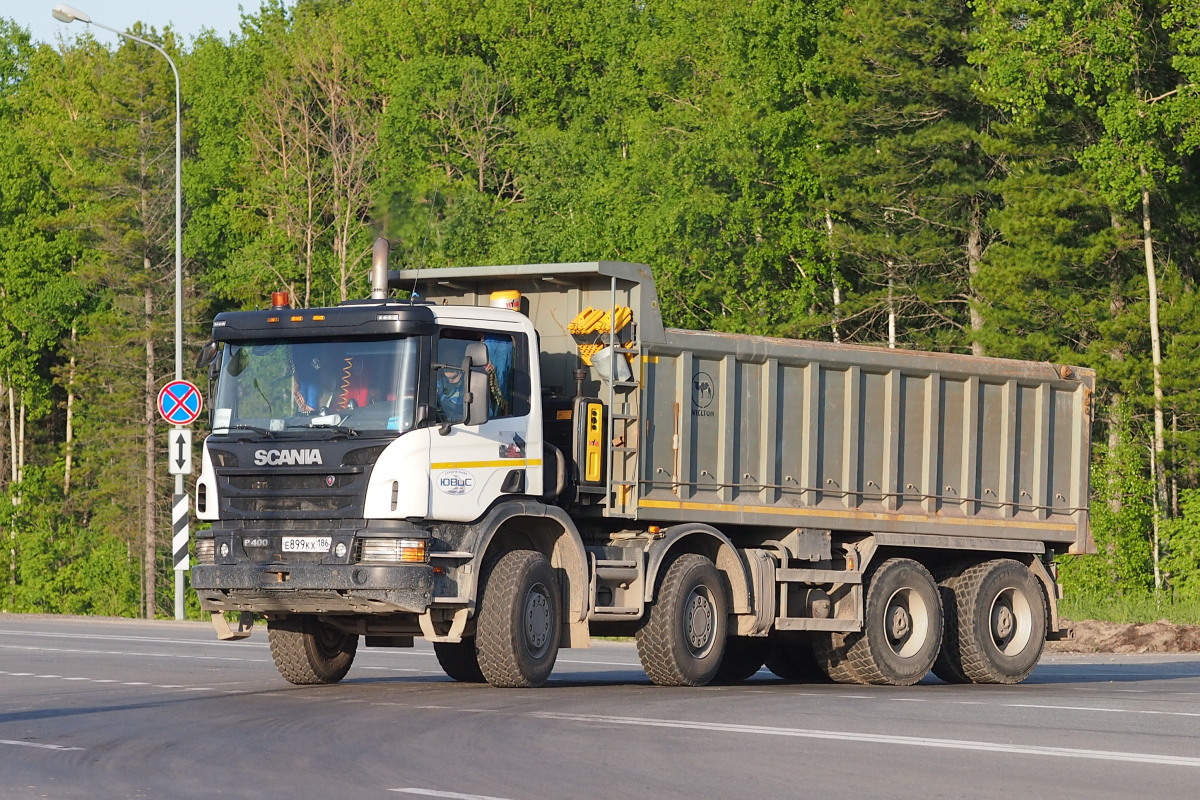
(352, 386)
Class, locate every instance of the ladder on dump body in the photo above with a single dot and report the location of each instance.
(623, 457)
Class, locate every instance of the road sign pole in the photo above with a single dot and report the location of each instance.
(177, 533)
(179, 402)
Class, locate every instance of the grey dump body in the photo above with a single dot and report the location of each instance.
(739, 430)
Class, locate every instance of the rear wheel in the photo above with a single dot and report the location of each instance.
(829, 651)
(459, 660)
(307, 651)
(520, 620)
(682, 640)
(744, 657)
(791, 656)
(902, 625)
(948, 664)
(997, 629)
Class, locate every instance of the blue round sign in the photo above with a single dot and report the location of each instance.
(180, 402)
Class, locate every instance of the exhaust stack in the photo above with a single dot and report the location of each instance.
(379, 268)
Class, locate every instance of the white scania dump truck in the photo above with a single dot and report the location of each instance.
(524, 457)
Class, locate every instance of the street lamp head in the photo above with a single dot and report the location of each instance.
(65, 13)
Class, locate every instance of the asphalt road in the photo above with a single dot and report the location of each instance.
(103, 708)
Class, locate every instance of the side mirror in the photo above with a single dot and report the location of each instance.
(476, 355)
(207, 354)
(477, 400)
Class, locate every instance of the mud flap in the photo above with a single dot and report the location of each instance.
(245, 622)
(458, 624)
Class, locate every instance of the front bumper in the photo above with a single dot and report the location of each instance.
(313, 588)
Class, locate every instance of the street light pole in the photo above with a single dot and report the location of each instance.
(65, 13)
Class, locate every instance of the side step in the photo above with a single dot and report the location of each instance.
(619, 580)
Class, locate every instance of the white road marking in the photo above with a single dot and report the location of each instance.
(1105, 710)
(110, 680)
(126, 653)
(121, 653)
(104, 638)
(875, 738)
(39, 745)
(632, 664)
(1090, 709)
(452, 795)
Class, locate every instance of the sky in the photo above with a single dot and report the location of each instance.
(188, 17)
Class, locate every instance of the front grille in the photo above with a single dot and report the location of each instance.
(269, 492)
(268, 527)
(252, 505)
(276, 482)
(330, 487)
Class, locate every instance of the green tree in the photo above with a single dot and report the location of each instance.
(906, 156)
(1122, 510)
(105, 123)
(1112, 62)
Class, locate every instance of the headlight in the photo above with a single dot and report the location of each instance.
(393, 551)
(206, 550)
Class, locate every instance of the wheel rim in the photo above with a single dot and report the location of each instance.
(1010, 621)
(699, 621)
(538, 620)
(906, 622)
(328, 640)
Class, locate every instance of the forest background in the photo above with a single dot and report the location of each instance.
(1001, 177)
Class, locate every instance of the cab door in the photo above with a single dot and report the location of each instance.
(472, 466)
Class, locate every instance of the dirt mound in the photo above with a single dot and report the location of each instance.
(1092, 636)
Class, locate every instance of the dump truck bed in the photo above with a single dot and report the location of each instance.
(748, 430)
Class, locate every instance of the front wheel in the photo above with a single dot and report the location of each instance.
(520, 621)
(307, 651)
(682, 640)
(459, 660)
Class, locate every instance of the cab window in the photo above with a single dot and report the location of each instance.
(507, 368)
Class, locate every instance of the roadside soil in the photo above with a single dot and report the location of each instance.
(1092, 636)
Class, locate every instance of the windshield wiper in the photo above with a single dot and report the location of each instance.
(342, 429)
(239, 427)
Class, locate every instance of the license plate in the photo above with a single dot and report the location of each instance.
(307, 544)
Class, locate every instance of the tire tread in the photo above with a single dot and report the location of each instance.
(495, 643)
(656, 639)
(459, 660)
(971, 657)
(291, 643)
(863, 662)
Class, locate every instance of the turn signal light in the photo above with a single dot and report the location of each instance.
(393, 551)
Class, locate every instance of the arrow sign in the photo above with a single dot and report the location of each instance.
(179, 402)
(179, 459)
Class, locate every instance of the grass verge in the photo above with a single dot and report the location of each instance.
(1130, 608)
